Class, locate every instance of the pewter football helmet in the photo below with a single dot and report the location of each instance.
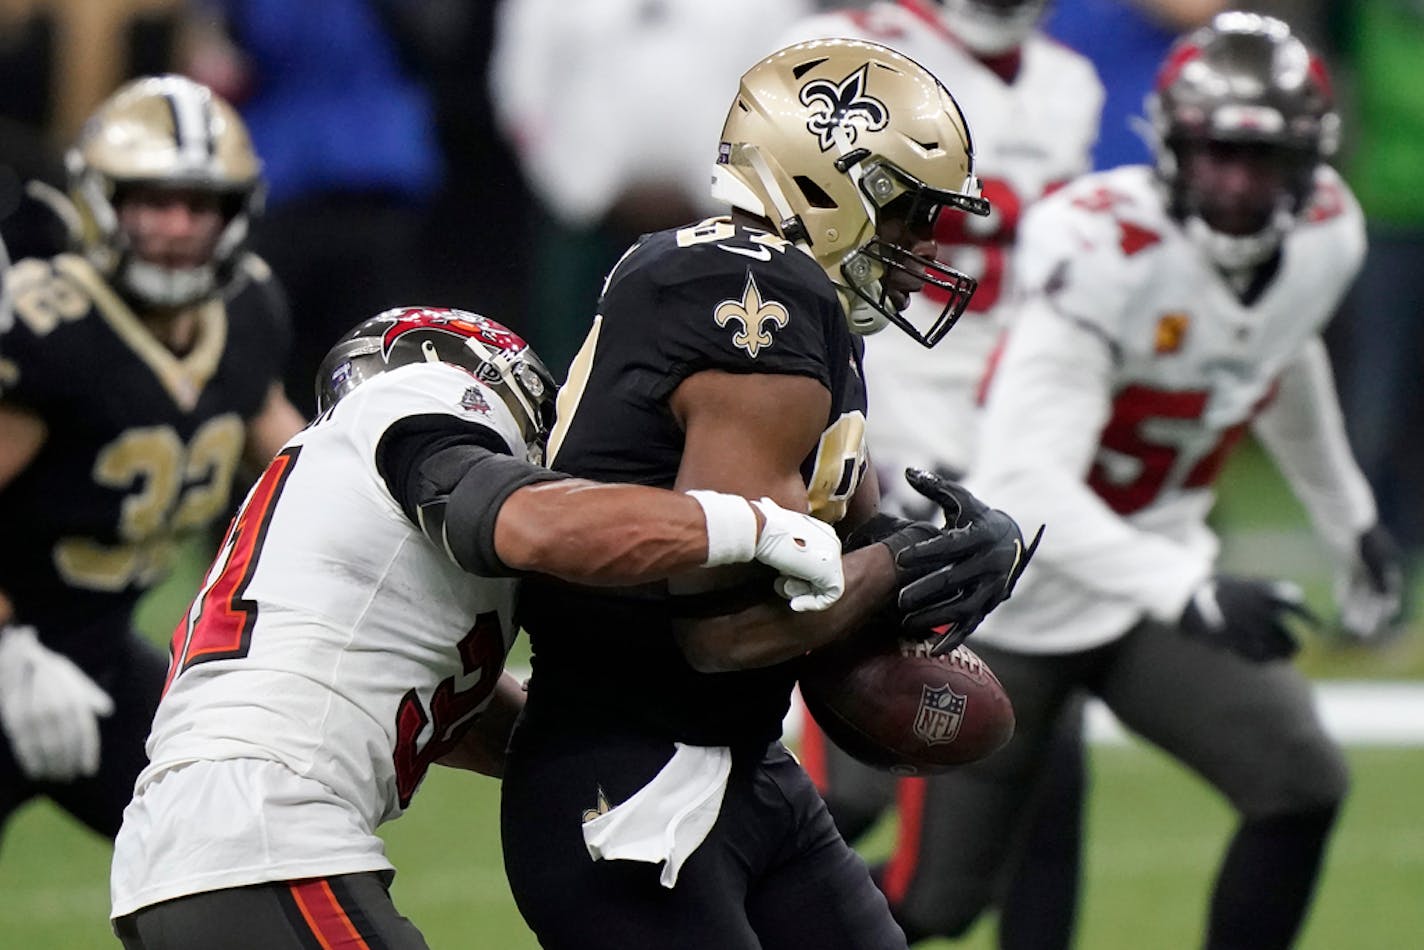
(1244, 79)
(491, 352)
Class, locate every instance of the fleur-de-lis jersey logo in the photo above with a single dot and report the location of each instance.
(752, 313)
(843, 105)
(600, 807)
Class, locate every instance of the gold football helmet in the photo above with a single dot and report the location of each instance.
(829, 138)
(163, 131)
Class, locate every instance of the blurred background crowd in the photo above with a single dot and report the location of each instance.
(500, 155)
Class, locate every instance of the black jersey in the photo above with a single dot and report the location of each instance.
(141, 446)
(710, 296)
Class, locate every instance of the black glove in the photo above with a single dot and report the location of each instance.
(897, 534)
(900, 535)
(1370, 592)
(965, 570)
(1247, 615)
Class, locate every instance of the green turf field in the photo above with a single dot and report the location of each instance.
(1154, 836)
(1155, 832)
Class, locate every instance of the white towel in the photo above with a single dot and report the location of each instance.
(665, 820)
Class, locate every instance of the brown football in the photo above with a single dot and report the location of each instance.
(898, 708)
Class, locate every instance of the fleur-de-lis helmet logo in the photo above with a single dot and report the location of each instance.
(843, 105)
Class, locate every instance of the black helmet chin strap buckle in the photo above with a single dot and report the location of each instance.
(793, 230)
(854, 156)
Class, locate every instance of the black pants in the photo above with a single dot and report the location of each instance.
(323, 913)
(773, 874)
(133, 677)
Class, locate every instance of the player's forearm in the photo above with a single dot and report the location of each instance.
(1092, 546)
(769, 632)
(599, 534)
(1303, 430)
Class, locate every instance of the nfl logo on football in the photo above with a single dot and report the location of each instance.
(940, 713)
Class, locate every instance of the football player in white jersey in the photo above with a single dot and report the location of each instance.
(354, 625)
(1168, 311)
(1034, 106)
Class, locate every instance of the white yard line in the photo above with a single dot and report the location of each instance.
(1357, 713)
(1363, 713)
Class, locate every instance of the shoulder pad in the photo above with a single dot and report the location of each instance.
(715, 246)
(1084, 246)
(423, 389)
(43, 297)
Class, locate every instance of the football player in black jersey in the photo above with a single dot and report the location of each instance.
(136, 375)
(647, 799)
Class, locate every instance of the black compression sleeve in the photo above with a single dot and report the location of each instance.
(470, 508)
(450, 479)
(409, 442)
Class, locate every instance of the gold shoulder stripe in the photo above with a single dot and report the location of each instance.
(183, 378)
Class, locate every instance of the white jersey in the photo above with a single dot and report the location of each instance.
(1030, 136)
(1131, 372)
(332, 654)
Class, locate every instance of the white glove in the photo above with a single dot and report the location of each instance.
(806, 554)
(1370, 590)
(49, 709)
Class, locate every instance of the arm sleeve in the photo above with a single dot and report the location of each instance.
(1303, 429)
(1046, 409)
(450, 478)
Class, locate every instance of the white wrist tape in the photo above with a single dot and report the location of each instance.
(731, 527)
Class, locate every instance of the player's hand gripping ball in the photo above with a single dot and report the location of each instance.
(895, 705)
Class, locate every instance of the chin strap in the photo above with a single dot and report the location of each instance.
(768, 183)
(167, 287)
(864, 317)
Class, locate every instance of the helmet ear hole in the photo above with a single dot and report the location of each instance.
(814, 194)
